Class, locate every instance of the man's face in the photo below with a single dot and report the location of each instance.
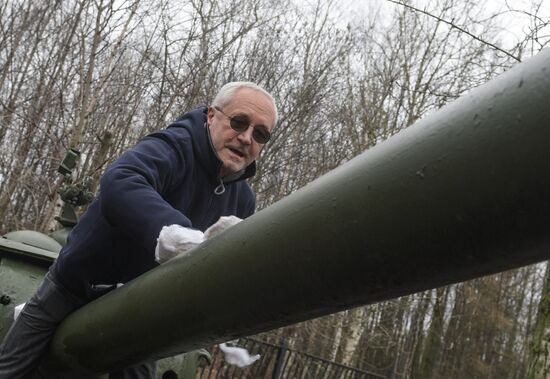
(238, 150)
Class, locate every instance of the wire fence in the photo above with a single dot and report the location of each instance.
(280, 362)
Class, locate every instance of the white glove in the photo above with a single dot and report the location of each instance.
(174, 240)
(223, 223)
(238, 356)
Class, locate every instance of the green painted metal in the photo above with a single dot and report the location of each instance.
(463, 193)
(36, 239)
(19, 279)
(27, 251)
(24, 259)
(61, 235)
(23, 265)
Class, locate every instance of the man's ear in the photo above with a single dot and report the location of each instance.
(210, 114)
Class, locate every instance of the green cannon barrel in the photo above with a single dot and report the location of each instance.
(462, 193)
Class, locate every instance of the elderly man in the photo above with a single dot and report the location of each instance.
(172, 186)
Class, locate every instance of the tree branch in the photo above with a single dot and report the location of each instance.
(452, 25)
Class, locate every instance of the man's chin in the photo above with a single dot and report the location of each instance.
(232, 168)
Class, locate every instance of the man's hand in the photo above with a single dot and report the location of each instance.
(175, 240)
(223, 223)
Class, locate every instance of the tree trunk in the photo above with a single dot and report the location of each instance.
(539, 356)
(352, 335)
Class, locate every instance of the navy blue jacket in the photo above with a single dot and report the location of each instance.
(169, 177)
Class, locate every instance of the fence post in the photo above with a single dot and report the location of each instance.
(279, 361)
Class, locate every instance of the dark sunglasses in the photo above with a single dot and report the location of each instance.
(241, 123)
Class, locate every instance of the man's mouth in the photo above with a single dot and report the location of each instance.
(236, 152)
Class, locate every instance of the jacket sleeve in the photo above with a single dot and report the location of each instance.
(132, 188)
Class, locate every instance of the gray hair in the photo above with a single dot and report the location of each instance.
(225, 95)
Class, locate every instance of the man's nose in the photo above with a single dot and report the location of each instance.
(246, 136)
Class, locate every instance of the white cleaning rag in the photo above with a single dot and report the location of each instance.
(238, 356)
(174, 240)
(225, 222)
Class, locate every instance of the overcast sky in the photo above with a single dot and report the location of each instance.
(514, 24)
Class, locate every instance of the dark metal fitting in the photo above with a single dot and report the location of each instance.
(5, 300)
